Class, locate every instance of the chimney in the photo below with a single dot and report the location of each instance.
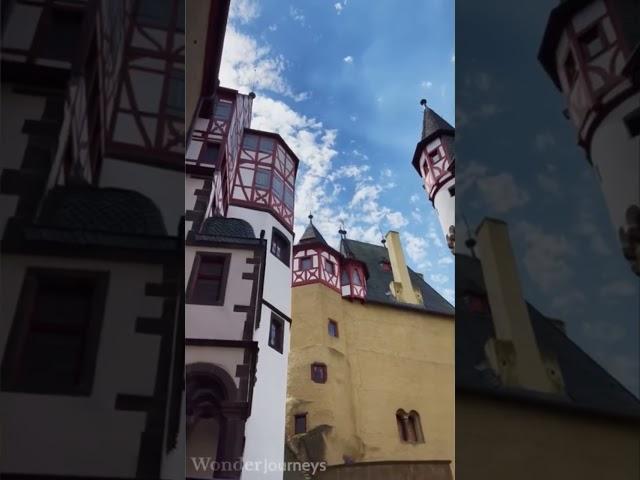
(514, 352)
(401, 286)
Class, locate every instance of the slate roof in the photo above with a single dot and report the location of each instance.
(433, 123)
(227, 227)
(379, 280)
(108, 210)
(588, 386)
(312, 235)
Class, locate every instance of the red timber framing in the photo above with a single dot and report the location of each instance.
(316, 264)
(146, 113)
(265, 176)
(353, 283)
(436, 167)
(598, 51)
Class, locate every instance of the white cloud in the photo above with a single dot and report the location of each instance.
(543, 141)
(415, 198)
(338, 6)
(620, 288)
(439, 278)
(357, 153)
(244, 10)
(349, 171)
(426, 84)
(548, 184)
(273, 27)
(501, 193)
(415, 246)
(545, 259)
(297, 15)
(396, 220)
(353, 118)
(587, 228)
(445, 260)
(348, 59)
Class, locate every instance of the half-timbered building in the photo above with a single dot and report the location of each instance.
(591, 51)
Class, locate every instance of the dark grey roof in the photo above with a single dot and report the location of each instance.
(92, 209)
(379, 280)
(433, 123)
(588, 386)
(311, 234)
(227, 227)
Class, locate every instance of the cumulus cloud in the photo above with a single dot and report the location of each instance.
(338, 6)
(501, 192)
(244, 10)
(348, 59)
(297, 15)
(426, 84)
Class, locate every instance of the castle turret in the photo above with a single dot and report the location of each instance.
(434, 160)
(591, 49)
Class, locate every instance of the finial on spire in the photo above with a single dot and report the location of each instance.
(252, 95)
(342, 231)
(423, 102)
(310, 217)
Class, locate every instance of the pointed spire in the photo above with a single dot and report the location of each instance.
(432, 122)
(342, 231)
(311, 234)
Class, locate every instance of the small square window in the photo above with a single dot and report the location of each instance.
(319, 372)
(222, 110)
(263, 178)
(435, 156)
(288, 197)
(209, 153)
(300, 423)
(306, 263)
(330, 267)
(266, 145)
(593, 42)
(333, 328)
(250, 142)
(276, 333)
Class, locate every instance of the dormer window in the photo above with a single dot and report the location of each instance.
(593, 42)
(222, 110)
(355, 278)
(306, 263)
(570, 69)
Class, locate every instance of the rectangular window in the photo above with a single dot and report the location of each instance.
(276, 333)
(266, 145)
(306, 263)
(280, 246)
(355, 278)
(222, 110)
(333, 328)
(263, 178)
(63, 35)
(319, 372)
(53, 344)
(208, 278)
(435, 156)
(154, 13)
(288, 197)
(593, 42)
(250, 142)
(175, 97)
(300, 423)
(209, 153)
(277, 187)
(330, 267)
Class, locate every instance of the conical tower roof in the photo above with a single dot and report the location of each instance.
(312, 235)
(433, 123)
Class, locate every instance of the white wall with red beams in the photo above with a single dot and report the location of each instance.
(320, 272)
(599, 96)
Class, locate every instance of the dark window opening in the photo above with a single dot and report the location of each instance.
(276, 333)
(54, 340)
(300, 423)
(593, 42)
(206, 108)
(319, 372)
(355, 278)
(288, 197)
(570, 69)
(632, 122)
(344, 277)
(266, 145)
(250, 142)
(175, 97)
(154, 13)
(435, 156)
(63, 35)
(208, 279)
(263, 178)
(452, 191)
(306, 263)
(277, 187)
(280, 246)
(222, 110)
(333, 328)
(330, 267)
(210, 153)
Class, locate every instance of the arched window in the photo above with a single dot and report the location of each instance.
(416, 426)
(401, 416)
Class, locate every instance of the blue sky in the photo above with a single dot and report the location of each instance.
(539, 181)
(341, 82)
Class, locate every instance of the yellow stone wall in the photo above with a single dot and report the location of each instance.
(385, 358)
